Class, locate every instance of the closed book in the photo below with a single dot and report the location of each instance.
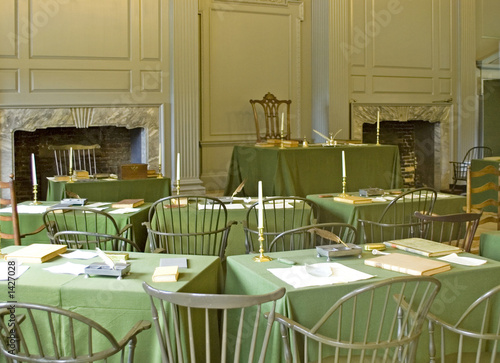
(352, 199)
(423, 247)
(128, 203)
(408, 264)
(36, 253)
(166, 274)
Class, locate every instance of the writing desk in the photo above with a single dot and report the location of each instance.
(150, 189)
(30, 221)
(334, 211)
(460, 287)
(115, 304)
(316, 169)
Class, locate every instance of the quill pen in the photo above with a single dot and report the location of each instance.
(108, 261)
(239, 188)
(328, 235)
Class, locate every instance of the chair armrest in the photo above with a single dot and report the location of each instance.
(126, 228)
(136, 329)
(38, 230)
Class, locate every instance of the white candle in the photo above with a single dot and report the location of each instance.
(378, 121)
(71, 158)
(33, 169)
(261, 208)
(282, 122)
(343, 164)
(159, 154)
(178, 166)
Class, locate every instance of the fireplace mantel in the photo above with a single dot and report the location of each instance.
(30, 119)
(440, 113)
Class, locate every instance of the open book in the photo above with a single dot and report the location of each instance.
(423, 247)
(408, 264)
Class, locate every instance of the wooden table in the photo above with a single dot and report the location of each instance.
(333, 211)
(316, 169)
(115, 304)
(150, 189)
(30, 221)
(460, 287)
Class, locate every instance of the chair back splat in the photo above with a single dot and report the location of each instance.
(453, 229)
(271, 117)
(379, 322)
(87, 228)
(84, 158)
(195, 225)
(212, 327)
(15, 234)
(49, 334)
(280, 214)
(474, 337)
(398, 221)
(460, 167)
(484, 195)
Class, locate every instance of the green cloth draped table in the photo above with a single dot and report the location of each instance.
(316, 169)
(334, 211)
(150, 189)
(460, 287)
(489, 245)
(31, 221)
(115, 304)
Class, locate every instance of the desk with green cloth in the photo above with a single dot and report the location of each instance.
(30, 221)
(315, 169)
(476, 165)
(489, 245)
(150, 189)
(460, 287)
(334, 211)
(115, 304)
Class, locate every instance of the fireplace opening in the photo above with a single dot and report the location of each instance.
(415, 140)
(119, 145)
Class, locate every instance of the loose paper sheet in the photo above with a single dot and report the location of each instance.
(67, 268)
(124, 210)
(18, 271)
(298, 277)
(28, 209)
(461, 260)
(79, 255)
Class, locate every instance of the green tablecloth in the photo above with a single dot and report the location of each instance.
(30, 221)
(489, 245)
(476, 165)
(115, 304)
(333, 211)
(316, 169)
(150, 189)
(460, 287)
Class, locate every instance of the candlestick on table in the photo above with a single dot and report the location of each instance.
(378, 127)
(34, 180)
(160, 175)
(178, 174)
(343, 194)
(282, 131)
(260, 227)
(70, 171)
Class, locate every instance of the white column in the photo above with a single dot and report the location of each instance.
(186, 94)
(466, 129)
(339, 68)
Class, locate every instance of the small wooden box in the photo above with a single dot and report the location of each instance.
(134, 171)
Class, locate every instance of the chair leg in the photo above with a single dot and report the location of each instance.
(131, 349)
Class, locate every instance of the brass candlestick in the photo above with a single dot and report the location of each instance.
(35, 195)
(282, 142)
(343, 194)
(261, 257)
(71, 176)
(160, 175)
(378, 136)
(178, 186)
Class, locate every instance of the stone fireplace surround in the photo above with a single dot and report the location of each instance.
(30, 119)
(439, 113)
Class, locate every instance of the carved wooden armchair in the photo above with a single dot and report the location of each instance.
(271, 117)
